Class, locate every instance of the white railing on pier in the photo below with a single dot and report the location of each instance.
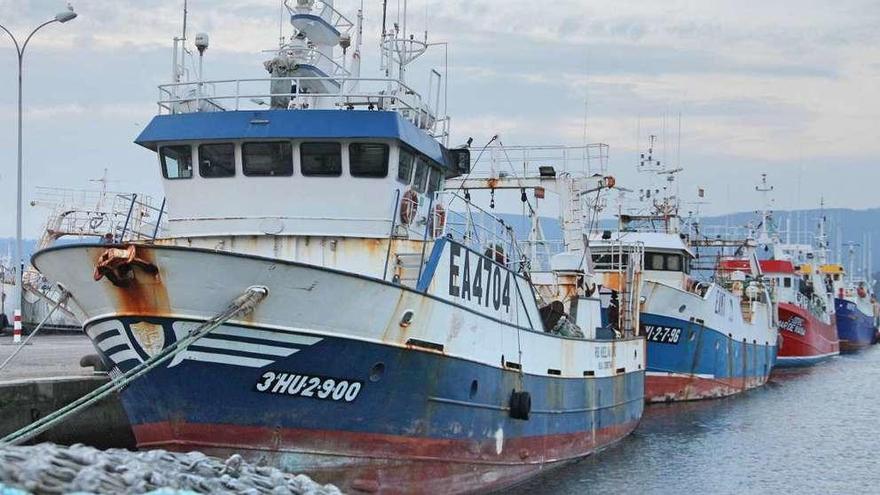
(255, 94)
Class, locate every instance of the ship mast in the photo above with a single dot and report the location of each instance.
(822, 237)
(766, 236)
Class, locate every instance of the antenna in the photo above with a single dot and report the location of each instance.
(281, 26)
(678, 152)
(586, 107)
(179, 53)
(384, 17)
(646, 160)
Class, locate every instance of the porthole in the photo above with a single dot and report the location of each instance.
(474, 387)
(377, 371)
(682, 308)
(406, 319)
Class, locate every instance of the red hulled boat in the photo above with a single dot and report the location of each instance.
(806, 311)
(806, 314)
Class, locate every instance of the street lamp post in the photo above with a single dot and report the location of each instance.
(62, 17)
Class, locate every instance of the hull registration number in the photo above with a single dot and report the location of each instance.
(662, 334)
(316, 387)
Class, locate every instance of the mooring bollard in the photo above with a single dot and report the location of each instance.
(16, 327)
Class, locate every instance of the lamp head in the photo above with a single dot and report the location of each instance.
(67, 15)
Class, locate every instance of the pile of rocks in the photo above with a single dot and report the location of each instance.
(50, 469)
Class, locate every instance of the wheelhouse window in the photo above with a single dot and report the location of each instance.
(665, 262)
(610, 261)
(217, 160)
(786, 282)
(421, 176)
(321, 159)
(176, 161)
(405, 165)
(655, 262)
(435, 180)
(368, 159)
(267, 159)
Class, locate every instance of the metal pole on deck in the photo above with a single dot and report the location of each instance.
(62, 17)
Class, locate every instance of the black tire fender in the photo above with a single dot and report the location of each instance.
(520, 405)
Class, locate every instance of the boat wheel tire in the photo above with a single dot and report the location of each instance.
(520, 405)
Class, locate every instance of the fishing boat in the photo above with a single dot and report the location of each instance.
(405, 345)
(705, 338)
(803, 289)
(807, 320)
(855, 307)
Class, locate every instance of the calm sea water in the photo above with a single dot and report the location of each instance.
(810, 431)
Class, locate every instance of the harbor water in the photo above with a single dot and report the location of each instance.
(812, 430)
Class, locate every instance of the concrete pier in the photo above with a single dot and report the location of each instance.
(45, 377)
(46, 356)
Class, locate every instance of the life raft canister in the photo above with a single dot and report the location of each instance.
(409, 205)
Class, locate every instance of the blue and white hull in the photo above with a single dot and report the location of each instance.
(323, 379)
(701, 346)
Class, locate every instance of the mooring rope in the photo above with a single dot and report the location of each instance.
(241, 305)
(64, 296)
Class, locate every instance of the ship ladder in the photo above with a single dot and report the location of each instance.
(630, 293)
(242, 305)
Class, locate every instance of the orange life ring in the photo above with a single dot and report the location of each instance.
(409, 205)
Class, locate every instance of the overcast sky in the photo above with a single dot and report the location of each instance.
(787, 87)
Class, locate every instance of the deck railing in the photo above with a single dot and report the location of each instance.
(351, 93)
(526, 161)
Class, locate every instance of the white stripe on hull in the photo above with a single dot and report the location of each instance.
(232, 345)
(112, 342)
(226, 359)
(680, 375)
(267, 335)
(125, 355)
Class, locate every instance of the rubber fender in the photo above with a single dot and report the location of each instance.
(520, 405)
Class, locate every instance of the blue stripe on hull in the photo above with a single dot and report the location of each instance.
(419, 394)
(854, 328)
(707, 352)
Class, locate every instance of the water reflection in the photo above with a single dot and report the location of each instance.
(809, 430)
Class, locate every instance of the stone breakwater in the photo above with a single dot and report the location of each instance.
(54, 469)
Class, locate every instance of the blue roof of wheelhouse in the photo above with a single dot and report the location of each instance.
(288, 124)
